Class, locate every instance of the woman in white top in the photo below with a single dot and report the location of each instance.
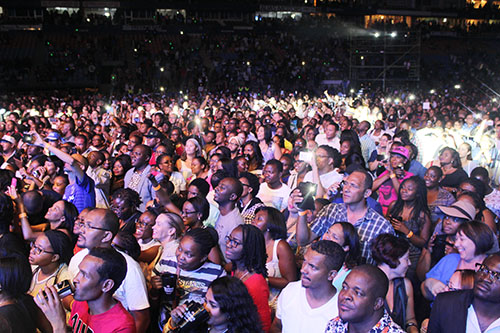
(49, 256)
(167, 230)
(281, 267)
(465, 152)
(191, 150)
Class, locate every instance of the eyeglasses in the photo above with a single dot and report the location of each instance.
(482, 269)
(245, 185)
(233, 242)
(38, 250)
(187, 212)
(83, 225)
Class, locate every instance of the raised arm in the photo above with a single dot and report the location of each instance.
(66, 158)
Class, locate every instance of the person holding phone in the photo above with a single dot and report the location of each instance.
(324, 173)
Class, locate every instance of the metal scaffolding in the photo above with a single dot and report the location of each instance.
(385, 57)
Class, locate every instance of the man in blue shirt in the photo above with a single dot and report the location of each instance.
(81, 188)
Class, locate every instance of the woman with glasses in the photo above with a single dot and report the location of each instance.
(246, 249)
(195, 212)
(192, 270)
(144, 235)
(474, 240)
(49, 256)
(392, 255)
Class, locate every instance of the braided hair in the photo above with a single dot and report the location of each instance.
(254, 255)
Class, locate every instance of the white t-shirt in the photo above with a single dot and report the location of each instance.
(225, 225)
(274, 198)
(132, 293)
(326, 179)
(473, 324)
(297, 316)
(322, 140)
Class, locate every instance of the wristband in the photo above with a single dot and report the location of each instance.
(157, 187)
(392, 176)
(23, 215)
(409, 235)
(303, 213)
(169, 325)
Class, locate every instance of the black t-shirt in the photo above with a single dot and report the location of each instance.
(454, 179)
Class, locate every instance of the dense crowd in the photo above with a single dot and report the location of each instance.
(276, 212)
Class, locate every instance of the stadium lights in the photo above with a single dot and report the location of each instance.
(494, 100)
(162, 89)
(376, 35)
(303, 63)
(182, 32)
(248, 63)
(162, 69)
(433, 91)
(394, 34)
(411, 97)
(457, 86)
(351, 91)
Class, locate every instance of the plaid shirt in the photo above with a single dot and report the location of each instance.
(368, 227)
(384, 325)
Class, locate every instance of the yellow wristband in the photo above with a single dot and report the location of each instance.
(169, 325)
(392, 176)
(157, 187)
(23, 215)
(303, 213)
(410, 234)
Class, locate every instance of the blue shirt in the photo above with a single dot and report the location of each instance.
(81, 194)
(445, 268)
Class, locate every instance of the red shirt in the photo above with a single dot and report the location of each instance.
(116, 319)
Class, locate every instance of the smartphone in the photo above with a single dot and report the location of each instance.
(13, 182)
(308, 191)
(306, 156)
(380, 157)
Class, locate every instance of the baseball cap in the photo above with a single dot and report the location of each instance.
(53, 136)
(153, 133)
(401, 151)
(9, 139)
(461, 209)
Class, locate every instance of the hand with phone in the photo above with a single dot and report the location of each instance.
(48, 301)
(293, 200)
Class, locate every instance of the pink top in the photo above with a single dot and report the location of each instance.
(386, 191)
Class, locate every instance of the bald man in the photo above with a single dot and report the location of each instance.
(81, 188)
(361, 303)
